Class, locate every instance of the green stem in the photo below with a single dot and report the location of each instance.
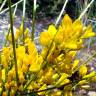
(24, 10)
(85, 10)
(1, 7)
(29, 82)
(45, 59)
(5, 43)
(47, 89)
(90, 58)
(33, 20)
(11, 7)
(89, 79)
(62, 11)
(1, 91)
(9, 27)
(13, 42)
(8, 92)
(15, 9)
(7, 37)
(23, 30)
(0, 61)
(54, 87)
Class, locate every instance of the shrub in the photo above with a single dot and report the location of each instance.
(54, 70)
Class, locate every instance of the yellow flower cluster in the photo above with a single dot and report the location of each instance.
(53, 67)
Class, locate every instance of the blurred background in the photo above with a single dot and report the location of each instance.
(46, 13)
(53, 7)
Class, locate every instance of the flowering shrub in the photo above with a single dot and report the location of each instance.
(54, 71)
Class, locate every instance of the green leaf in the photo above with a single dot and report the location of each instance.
(34, 94)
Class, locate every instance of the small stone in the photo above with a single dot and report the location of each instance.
(82, 92)
(92, 93)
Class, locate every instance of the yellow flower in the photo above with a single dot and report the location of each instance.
(26, 62)
(34, 85)
(67, 93)
(67, 90)
(44, 52)
(60, 57)
(24, 68)
(35, 66)
(48, 76)
(66, 21)
(7, 85)
(27, 39)
(21, 76)
(62, 79)
(32, 49)
(66, 81)
(82, 82)
(3, 74)
(26, 33)
(10, 37)
(26, 59)
(21, 29)
(52, 66)
(72, 54)
(47, 36)
(70, 33)
(42, 88)
(6, 50)
(20, 52)
(57, 93)
(88, 33)
(4, 93)
(55, 76)
(12, 93)
(90, 75)
(59, 35)
(53, 54)
(19, 64)
(34, 59)
(17, 34)
(71, 45)
(0, 76)
(83, 70)
(77, 27)
(4, 60)
(52, 30)
(11, 73)
(75, 64)
(30, 87)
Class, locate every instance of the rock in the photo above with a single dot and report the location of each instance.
(82, 92)
(91, 93)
